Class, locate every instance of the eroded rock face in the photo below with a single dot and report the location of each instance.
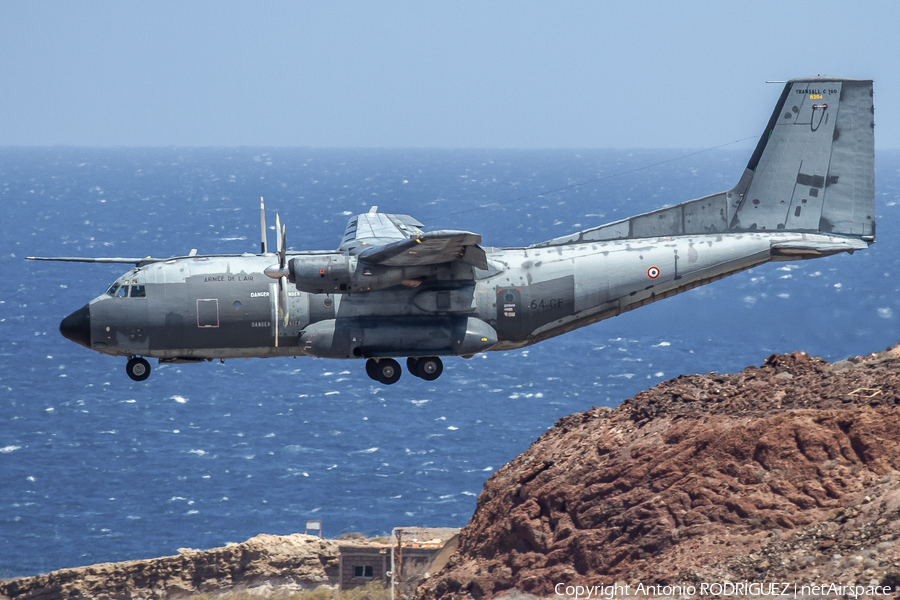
(767, 473)
(299, 560)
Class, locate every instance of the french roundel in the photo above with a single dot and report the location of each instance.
(653, 272)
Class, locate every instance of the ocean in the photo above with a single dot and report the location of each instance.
(95, 467)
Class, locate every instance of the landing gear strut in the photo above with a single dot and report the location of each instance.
(138, 368)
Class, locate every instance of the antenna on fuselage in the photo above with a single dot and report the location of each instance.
(262, 223)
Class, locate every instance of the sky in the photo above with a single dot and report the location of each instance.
(441, 74)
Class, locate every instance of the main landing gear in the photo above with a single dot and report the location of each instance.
(138, 368)
(387, 370)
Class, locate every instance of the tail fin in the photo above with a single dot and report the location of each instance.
(813, 169)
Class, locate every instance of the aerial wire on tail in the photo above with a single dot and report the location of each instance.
(564, 188)
(595, 180)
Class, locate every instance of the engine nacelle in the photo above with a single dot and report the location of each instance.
(399, 336)
(342, 274)
(323, 273)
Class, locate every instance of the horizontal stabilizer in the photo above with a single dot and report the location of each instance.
(817, 247)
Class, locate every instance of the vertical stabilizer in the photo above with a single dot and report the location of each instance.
(813, 169)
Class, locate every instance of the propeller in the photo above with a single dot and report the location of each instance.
(281, 270)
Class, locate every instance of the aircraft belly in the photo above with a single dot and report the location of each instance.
(215, 352)
(398, 336)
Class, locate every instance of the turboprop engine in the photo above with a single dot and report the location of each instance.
(337, 273)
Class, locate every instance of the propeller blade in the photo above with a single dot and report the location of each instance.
(278, 239)
(262, 223)
(282, 255)
(283, 299)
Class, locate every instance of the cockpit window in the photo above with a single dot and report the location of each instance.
(137, 290)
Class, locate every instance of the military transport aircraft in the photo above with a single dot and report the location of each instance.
(391, 290)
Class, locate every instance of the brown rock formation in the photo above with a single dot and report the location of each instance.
(292, 560)
(788, 472)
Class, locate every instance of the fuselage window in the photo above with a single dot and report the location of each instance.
(122, 292)
(138, 291)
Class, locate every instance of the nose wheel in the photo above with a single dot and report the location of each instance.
(138, 368)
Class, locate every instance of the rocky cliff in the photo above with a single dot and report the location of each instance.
(293, 561)
(787, 472)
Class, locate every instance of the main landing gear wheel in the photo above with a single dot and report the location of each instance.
(138, 368)
(428, 368)
(386, 370)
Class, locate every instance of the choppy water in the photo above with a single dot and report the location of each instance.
(95, 467)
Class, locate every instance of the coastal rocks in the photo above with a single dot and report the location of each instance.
(785, 471)
(297, 560)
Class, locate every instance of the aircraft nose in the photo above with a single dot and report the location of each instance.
(77, 326)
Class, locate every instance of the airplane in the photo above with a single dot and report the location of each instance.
(391, 290)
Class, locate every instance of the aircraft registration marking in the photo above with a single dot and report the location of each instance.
(551, 303)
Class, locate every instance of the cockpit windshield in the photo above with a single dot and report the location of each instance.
(127, 289)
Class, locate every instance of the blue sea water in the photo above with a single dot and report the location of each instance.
(95, 467)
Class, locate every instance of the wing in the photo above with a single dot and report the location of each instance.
(397, 241)
(138, 262)
(432, 248)
(377, 229)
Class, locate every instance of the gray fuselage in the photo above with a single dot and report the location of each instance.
(224, 307)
